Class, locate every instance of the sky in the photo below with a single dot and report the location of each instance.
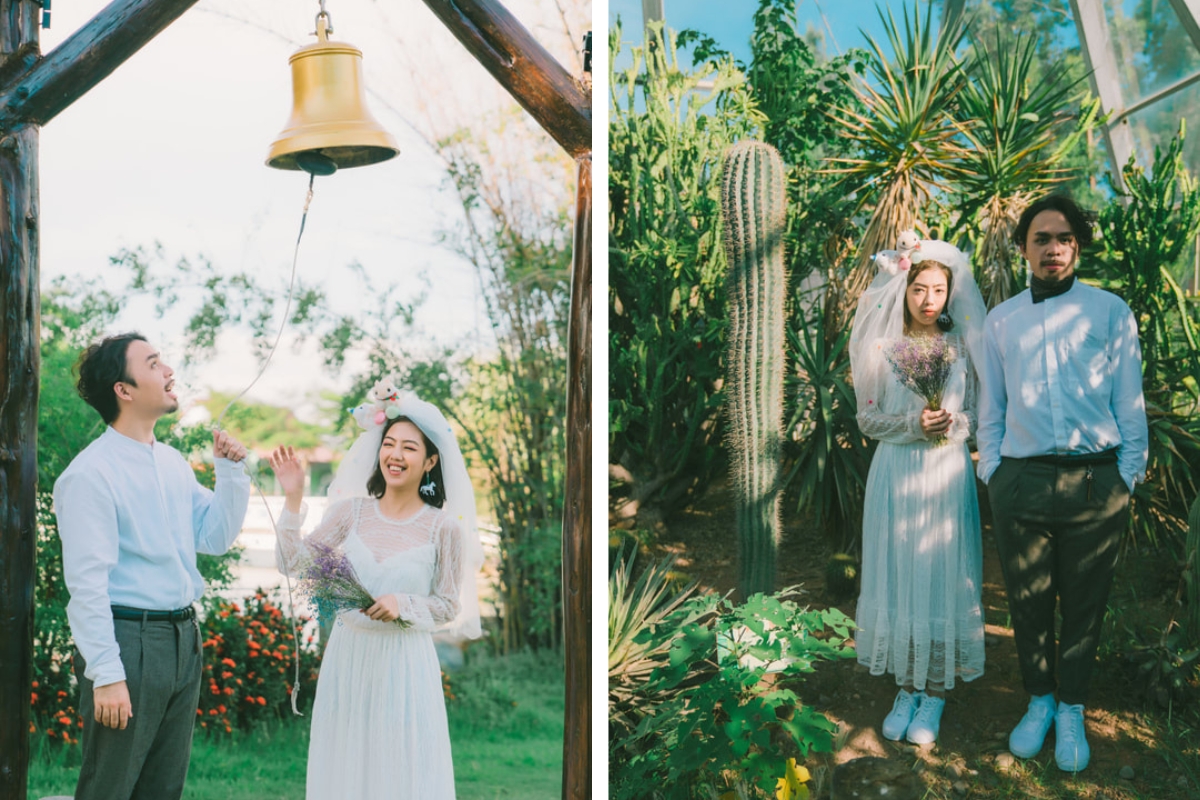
(171, 148)
(731, 22)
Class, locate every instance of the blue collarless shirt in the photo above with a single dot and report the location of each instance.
(132, 518)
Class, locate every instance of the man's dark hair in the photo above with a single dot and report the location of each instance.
(376, 485)
(1079, 220)
(100, 367)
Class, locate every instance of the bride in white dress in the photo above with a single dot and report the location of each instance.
(919, 611)
(379, 729)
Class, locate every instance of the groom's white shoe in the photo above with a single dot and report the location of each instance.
(1027, 738)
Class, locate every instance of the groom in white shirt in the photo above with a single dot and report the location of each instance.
(1062, 442)
(132, 518)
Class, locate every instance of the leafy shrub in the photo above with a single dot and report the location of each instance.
(249, 667)
(668, 134)
(1146, 232)
(730, 714)
(519, 694)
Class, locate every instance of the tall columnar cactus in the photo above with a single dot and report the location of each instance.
(753, 203)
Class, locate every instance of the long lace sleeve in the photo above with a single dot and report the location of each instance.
(426, 612)
(894, 428)
(291, 548)
(963, 423)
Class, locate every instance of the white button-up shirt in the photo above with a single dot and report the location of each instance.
(132, 518)
(1062, 376)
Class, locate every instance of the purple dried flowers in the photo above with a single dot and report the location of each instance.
(922, 363)
(332, 585)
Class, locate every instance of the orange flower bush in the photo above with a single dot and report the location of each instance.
(248, 665)
(52, 698)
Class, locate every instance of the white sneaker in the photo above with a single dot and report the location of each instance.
(1027, 738)
(895, 724)
(928, 720)
(1071, 751)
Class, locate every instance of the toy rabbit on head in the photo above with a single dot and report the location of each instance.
(908, 249)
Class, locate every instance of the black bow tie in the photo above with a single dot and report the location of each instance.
(1041, 289)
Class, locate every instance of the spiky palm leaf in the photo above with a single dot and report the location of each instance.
(1014, 123)
(635, 604)
(904, 134)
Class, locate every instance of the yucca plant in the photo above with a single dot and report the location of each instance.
(830, 456)
(905, 136)
(1019, 124)
(637, 602)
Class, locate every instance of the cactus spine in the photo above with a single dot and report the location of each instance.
(753, 203)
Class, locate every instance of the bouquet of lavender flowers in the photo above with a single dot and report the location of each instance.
(332, 585)
(922, 363)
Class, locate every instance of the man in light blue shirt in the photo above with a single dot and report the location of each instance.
(132, 517)
(1062, 442)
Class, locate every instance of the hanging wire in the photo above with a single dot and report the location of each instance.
(254, 478)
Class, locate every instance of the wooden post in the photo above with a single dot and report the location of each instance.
(562, 106)
(20, 332)
(577, 521)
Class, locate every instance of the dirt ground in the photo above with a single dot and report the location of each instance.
(1137, 751)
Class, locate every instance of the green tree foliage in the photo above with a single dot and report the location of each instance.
(513, 407)
(265, 425)
(668, 131)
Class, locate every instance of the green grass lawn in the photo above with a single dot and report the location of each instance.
(506, 729)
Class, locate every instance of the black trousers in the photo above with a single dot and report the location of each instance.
(1057, 529)
(149, 759)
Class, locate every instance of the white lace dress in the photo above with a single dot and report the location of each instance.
(919, 612)
(379, 727)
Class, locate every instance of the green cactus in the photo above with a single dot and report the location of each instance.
(753, 203)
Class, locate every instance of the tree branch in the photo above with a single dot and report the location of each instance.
(522, 66)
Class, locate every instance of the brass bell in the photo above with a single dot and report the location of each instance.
(330, 127)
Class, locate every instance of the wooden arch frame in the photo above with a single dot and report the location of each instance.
(33, 90)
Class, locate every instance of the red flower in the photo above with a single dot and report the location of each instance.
(262, 701)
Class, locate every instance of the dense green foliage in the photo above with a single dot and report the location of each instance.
(667, 135)
(721, 710)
